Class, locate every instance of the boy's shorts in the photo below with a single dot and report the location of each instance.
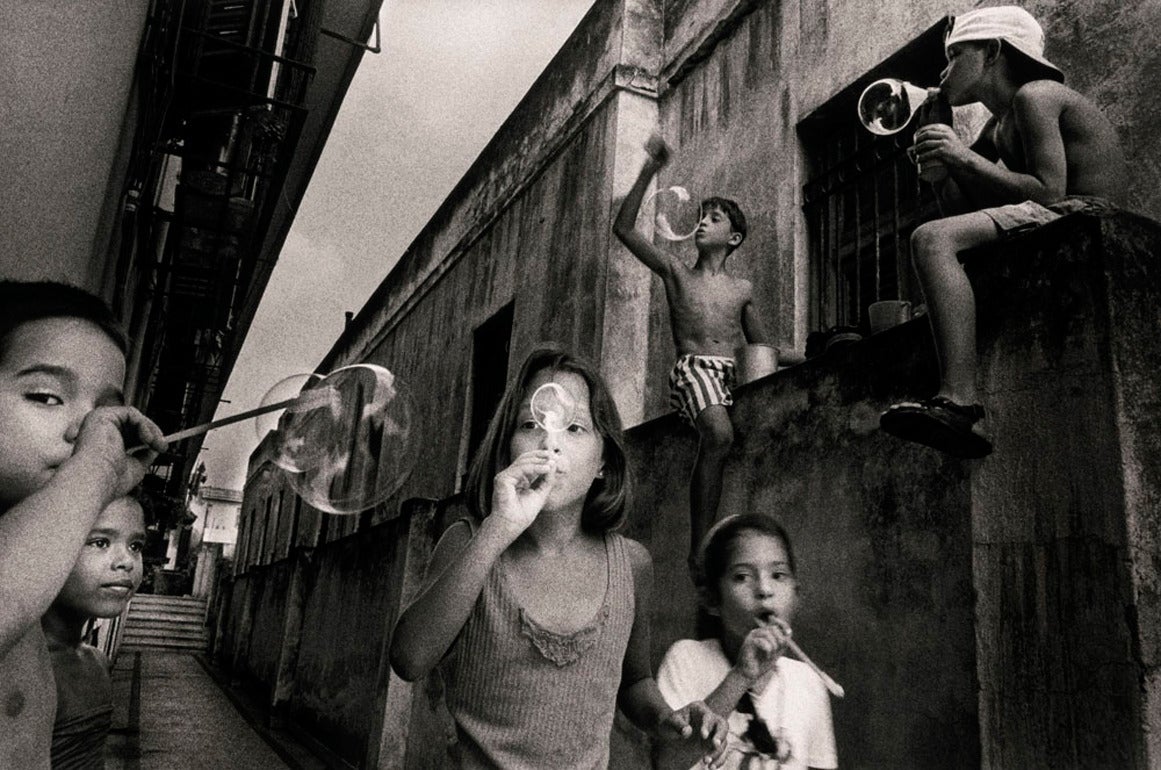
(1018, 217)
(700, 381)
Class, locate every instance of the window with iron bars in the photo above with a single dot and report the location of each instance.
(863, 197)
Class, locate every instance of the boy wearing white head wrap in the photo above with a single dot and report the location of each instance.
(1046, 151)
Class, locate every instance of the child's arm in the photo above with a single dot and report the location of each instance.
(625, 225)
(460, 565)
(1036, 110)
(41, 535)
(694, 724)
(755, 665)
(752, 325)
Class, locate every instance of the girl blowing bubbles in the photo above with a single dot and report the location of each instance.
(537, 613)
(779, 710)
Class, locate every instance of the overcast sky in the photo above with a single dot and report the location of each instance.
(415, 118)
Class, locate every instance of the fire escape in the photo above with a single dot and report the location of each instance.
(222, 91)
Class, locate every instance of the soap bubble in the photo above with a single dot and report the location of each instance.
(353, 448)
(553, 408)
(676, 213)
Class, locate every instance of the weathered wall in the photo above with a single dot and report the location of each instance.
(350, 603)
(739, 75)
(882, 537)
(893, 539)
(727, 82)
(1065, 515)
(270, 604)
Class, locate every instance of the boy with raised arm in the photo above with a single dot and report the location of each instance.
(63, 433)
(711, 313)
(1046, 151)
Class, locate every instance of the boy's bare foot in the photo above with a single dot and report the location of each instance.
(939, 423)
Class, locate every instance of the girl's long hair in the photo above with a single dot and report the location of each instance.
(606, 504)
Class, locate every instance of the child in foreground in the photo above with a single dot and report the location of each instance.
(104, 579)
(1047, 151)
(711, 313)
(779, 709)
(536, 611)
(63, 433)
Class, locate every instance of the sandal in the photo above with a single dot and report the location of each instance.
(939, 423)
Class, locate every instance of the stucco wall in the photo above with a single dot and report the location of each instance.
(1065, 515)
(893, 546)
(350, 603)
(992, 613)
(727, 82)
(882, 537)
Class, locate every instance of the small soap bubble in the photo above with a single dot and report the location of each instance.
(553, 408)
(886, 106)
(676, 213)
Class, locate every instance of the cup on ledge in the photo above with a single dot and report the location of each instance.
(755, 361)
(888, 313)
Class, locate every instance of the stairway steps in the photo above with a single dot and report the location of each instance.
(164, 644)
(174, 623)
(168, 600)
(165, 614)
(158, 633)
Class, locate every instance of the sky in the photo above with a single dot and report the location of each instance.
(414, 119)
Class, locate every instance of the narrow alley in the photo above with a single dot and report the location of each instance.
(172, 711)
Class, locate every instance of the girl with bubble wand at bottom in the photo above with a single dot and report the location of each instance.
(536, 612)
(779, 709)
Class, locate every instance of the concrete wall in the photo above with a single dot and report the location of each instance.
(309, 633)
(896, 542)
(882, 536)
(727, 82)
(1065, 516)
(995, 613)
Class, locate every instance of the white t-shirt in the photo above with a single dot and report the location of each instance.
(795, 705)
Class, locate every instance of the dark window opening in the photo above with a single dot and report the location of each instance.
(863, 197)
(491, 345)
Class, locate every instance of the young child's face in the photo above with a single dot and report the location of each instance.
(965, 63)
(53, 372)
(579, 448)
(108, 569)
(714, 230)
(757, 585)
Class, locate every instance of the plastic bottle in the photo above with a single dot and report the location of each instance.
(935, 110)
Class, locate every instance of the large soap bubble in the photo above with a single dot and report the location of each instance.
(353, 448)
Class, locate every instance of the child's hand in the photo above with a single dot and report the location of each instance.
(939, 142)
(105, 433)
(698, 722)
(520, 490)
(761, 649)
(657, 149)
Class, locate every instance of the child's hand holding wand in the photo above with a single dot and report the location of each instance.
(520, 490)
(697, 721)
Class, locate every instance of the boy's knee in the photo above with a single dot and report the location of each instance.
(927, 240)
(715, 429)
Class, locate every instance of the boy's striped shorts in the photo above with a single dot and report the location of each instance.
(700, 381)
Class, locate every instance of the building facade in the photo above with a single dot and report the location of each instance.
(914, 554)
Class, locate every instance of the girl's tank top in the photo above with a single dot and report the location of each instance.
(525, 697)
